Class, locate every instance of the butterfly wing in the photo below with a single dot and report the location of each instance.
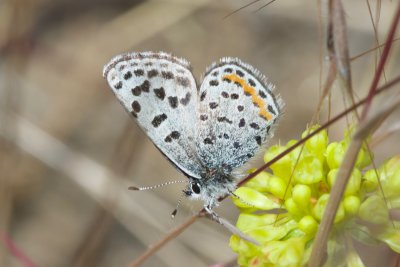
(236, 112)
(160, 92)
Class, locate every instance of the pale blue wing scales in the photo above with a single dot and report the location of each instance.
(159, 91)
(236, 114)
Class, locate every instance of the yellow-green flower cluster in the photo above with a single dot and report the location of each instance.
(287, 206)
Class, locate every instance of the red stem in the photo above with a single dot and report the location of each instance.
(381, 64)
(15, 251)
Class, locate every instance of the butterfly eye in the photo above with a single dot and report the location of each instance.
(196, 188)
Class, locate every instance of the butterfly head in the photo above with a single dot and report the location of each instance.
(210, 187)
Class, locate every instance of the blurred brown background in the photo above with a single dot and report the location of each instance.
(68, 150)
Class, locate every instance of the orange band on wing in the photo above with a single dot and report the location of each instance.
(254, 96)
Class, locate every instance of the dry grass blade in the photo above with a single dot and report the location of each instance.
(240, 8)
(371, 50)
(330, 79)
(340, 46)
(380, 136)
(375, 27)
(265, 5)
(375, 119)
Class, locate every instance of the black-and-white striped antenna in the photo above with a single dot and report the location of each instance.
(173, 214)
(136, 188)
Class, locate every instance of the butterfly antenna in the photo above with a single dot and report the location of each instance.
(241, 199)
(173, 214)
(156, 186)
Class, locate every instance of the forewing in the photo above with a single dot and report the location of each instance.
(159, 91)
(236, 114)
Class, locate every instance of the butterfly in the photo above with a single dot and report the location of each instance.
(210, 130)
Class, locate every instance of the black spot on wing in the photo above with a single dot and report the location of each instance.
(258, 140)
(224, 119)
(236, 145)
(271, 109)
(157, 120)
(136, 91)
(239, 73)
(118, 85)
(152, 73)
(208, 141)
(234, 96)
(173, 135)
(160, 93)
(226, 80)
(173, 101)
(213, 105)
(183, 81)
(145, 86)
(139, 72)
(184, 101)
(242, 122)
(214, 83)
(262, 94)
(167, 75)
(251, 82)
(228, 70)
(238, 84)
(203, 117)
(136, 106)
(203, 95)
(254, 126)
(127, 75)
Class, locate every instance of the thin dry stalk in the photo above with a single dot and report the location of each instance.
(371, 50)
(380, 136)
(375, 27)
(168, 237)
(338, 45)
(93, 242)
(240, 8)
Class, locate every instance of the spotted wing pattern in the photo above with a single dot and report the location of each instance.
(159, 91)
(236, 112)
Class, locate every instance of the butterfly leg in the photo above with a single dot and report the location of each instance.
(214, 216)
(234, 230)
